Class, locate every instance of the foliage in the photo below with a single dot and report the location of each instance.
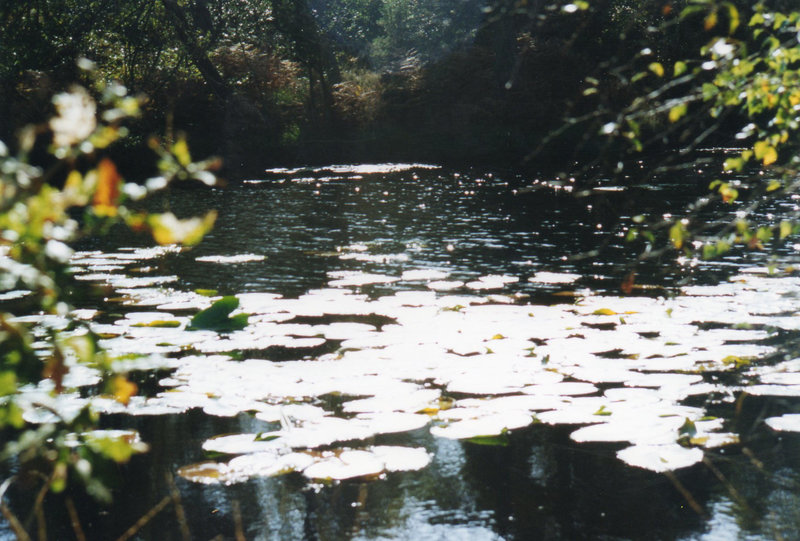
(731, 85)
(43, 210)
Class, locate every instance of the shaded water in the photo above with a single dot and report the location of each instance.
(438, 313)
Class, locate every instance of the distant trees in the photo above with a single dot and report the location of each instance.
(455, 79)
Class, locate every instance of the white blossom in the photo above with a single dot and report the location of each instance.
(76, 117)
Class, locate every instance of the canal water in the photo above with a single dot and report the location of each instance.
(432, 354)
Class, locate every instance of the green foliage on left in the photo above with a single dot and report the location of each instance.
(43, 210)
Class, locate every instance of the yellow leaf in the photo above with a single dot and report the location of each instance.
(676, 235)
(710, 21)
(122, 389)
(657, 68)
(733, 16)
(106, 193)
(168, 229)
(765, 152)
(785, 229)
(677, 112)
(74, 181)
(604, 312)
(771, 156)
(181, 151)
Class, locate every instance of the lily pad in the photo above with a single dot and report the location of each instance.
(217, 317)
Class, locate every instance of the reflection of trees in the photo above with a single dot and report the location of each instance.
(543, 486)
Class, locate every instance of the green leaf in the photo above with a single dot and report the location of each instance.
(676, 235)
(118, 449)
(492, 441)
(688, 428)
(168, 229)
(217, 317)
(160, 323)
(8, 383)
(207, 292)
(733, 17)
(603, 412)
(765, 152)
(677, 112)
(733, 164)
(680, 68)
(785, 229)
(181, 151)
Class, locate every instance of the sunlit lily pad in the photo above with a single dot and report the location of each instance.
(661, 458)
(789, 422)
(357, 278)
(231, 259)
(489, 425)
(423, 275)
(544, 277)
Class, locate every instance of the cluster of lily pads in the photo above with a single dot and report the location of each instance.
(463, 361)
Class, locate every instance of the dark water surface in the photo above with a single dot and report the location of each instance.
(349, 268)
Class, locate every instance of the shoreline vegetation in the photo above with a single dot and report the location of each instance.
(275, 83)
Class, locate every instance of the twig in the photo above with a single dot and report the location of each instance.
(237, 521)
(75, 520)
(686, 494)
(16, 525)
(180, 515)
(728, 485)
(142, 522)
(41, 523)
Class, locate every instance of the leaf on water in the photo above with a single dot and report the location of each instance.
(206, 292)
(735, 360)
(242, 258)
(159, 323)
(206, 473)
(661, 458)
(489, 425)
(217, 317)
(789, 422)
(543, 277)
(604, 312)
(688, 428)
(445, 285)
(603, 411)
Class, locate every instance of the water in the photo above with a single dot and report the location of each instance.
(428, 337)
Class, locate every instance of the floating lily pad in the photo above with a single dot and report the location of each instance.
(217, 317)
(231, 259)
(660, 458)
(789, 422)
